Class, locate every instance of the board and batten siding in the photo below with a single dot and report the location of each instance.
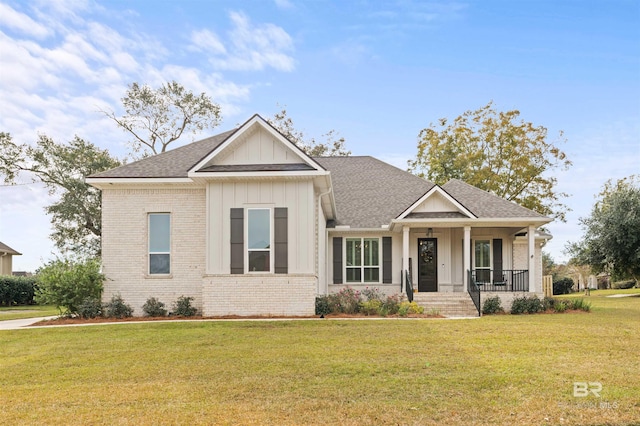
(297, 196)
(260, 147)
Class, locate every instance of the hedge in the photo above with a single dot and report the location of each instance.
(17, 290)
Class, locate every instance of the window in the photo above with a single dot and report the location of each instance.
(159, 243)
(483, 260)
(363, 260)
(259, 240)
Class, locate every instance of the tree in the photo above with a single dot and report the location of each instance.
(76, 215)
(331, 148)
(548, 264)
(497, 152)
(611, 241)
(157, 117)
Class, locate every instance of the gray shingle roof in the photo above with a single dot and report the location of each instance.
(484, 204)
(171, 164)
(370, 193)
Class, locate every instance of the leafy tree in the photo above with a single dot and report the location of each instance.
(67, 284)
(76, 215)
(548, 265)
(497, 152)
(611, 242)
(157, 117)
(333, 147)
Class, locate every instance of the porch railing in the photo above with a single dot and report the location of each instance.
(408, 286)
(474, 293)
(500, 280)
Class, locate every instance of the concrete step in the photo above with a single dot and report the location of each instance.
(447, 304)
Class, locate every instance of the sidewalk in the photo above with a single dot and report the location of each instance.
(21, 323)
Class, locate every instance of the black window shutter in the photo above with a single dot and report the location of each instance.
(497, 259)
(337, 260)
(237, 241)
(280, 234)
(386, 260)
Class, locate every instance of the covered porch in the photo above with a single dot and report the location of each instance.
(441, 258)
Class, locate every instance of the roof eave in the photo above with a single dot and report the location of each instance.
(102, 183)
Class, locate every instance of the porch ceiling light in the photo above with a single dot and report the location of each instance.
(430, 232)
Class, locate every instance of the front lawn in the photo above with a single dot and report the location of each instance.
(502, 369)
(29, 311)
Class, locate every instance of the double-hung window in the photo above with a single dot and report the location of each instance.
(159, 243)
(259, 240)
(483, 260)
(363, 260)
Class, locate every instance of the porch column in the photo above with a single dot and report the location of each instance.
(531, 234)
(405, 255)
(467, 257)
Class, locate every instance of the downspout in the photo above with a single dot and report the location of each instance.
(326, 250)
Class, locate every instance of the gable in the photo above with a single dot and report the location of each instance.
(436, 203)
(256, 147)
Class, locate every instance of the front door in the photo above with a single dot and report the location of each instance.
(427, 264)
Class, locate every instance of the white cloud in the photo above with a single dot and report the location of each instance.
(254, 47)
(207, 41)
(283, 4)
(13, 19)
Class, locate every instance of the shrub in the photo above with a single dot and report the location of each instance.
(492, 305)
(407, 308)
(563, 286)
(322, 305)
(560, 306)
(548, 303)
(526, 305)
(371, 307)
(65, 284)
(623, 285)
(391, 305)
(17, 290)
(346, 301)
(182, 307)
(91, 307)
(154, 308)
(116, 308)
(580, 304)
(371, 294)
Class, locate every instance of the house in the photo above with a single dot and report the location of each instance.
(6, 259)
(247, 224)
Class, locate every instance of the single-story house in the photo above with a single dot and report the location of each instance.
(6, 259)
(246, 223)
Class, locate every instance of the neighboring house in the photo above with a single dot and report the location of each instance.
(6, 259)
(247, 224)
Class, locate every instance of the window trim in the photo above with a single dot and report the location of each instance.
(271, 241)
(475, 266)
(149, 252)
(362, 265)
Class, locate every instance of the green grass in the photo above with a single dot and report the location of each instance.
(499, 369)
(31, 311)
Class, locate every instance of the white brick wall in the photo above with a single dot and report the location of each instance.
(262, 294)
(124, 244)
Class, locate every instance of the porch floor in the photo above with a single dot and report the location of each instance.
(447, 304)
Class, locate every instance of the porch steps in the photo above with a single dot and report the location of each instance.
(447, 304)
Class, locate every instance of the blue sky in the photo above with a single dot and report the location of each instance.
(376, 71)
